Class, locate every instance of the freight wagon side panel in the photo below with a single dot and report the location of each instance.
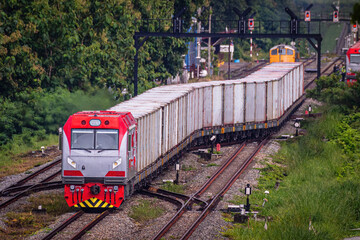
(269, 101)
(197, 113)
(229, 103)
(174, 123)
(185, 113)
(276, 102)
(208, 99)
(190, 113)
(217, 105)
(201, 108)
(163, 130)
(147, 140)
(286, 92)
(180, 121)
(158, 134)
(281, 96)
(250, 102)
(239, 103)
(260, 109)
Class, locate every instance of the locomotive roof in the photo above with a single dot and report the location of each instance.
(283, 46)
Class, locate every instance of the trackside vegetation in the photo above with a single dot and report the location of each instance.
(146, 210)
(33, 120)
(314, 179)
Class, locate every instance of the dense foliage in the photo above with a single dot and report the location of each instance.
(337, 93)
(77, 44)
(51, 48)
(39, 112)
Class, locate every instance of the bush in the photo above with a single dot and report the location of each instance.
(35, 114)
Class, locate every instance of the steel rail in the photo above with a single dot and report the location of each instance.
(322, 72)
(164, 197)
(15, 189)
(183, 209)
(32, 188)
(245, 72)
(182, 196)
(31, 176)
(208, 183)
(63, 225)
(222, 192)
(309, 61)
(90, 225)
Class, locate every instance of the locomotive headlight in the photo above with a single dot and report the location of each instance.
(116, 163)
(71, 162)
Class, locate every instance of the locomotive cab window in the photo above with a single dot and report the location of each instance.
(274, 52)
(355, 58)
(290, 52)
(95, 139)
(282, 51)
(107, 139)
(82, 139)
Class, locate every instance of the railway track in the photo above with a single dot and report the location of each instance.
(72, 219)
(309, 61)
(328, 70)
(229, 169)
(247, 71)
(19, 190)
(35, 174)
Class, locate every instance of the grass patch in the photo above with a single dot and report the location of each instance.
(24, 223)
(188, 168)
(146, 210)
(171, 187)
(17, 157)
(54, 203)
(212, 165)
(313, 188)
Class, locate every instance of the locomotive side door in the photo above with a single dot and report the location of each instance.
(131, 151)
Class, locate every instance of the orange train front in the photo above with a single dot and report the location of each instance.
(98, 158)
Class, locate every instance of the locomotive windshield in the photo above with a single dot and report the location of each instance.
(355, 58)
(98, 139)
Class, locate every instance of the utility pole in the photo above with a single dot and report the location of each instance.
(209, 45)
(229, 60)
(198, 45)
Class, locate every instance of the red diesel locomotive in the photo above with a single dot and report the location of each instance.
(88, 137)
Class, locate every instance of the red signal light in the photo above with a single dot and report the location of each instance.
(251, 24)
(355, 27)
(336, 16)
(307, 16)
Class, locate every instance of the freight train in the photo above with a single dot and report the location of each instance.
(107, 155)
